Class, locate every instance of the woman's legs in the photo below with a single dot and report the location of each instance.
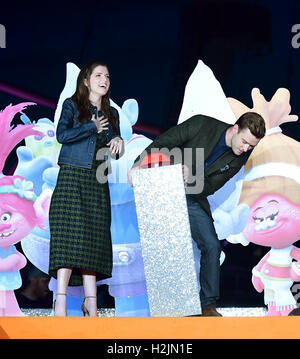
(90, 291)
(63, 277)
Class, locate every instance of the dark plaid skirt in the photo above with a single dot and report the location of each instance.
(80, 218)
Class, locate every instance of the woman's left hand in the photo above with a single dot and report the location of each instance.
(115, 146)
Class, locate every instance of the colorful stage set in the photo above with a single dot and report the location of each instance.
(155, 280)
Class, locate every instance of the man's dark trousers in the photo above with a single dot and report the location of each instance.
(204, 234)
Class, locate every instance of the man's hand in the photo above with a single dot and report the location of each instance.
(185, 172)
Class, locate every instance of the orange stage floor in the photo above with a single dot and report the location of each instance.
(150, 328)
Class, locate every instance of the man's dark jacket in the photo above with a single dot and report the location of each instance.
(200, 132)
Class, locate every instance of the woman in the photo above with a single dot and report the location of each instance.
(79, 216)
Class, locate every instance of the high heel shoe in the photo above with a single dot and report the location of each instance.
(83, 307)
(54, 303)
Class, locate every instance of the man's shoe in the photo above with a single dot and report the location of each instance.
(210, 311)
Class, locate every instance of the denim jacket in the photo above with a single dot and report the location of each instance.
(79, 140)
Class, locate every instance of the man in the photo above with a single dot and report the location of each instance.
(34, 292)
(226, 150)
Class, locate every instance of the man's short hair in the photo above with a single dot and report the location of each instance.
(254, 122)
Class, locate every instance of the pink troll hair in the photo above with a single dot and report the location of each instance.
(11, 137)
(14, 203)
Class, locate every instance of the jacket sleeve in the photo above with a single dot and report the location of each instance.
(66, 132)
(176, 136)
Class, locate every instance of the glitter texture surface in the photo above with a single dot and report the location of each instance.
(102, 312)
(166, 241)
(110, 312)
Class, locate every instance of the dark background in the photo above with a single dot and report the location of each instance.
(151, 49)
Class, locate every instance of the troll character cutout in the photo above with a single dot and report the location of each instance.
(10, 136)
(20, 212)
(271, 188)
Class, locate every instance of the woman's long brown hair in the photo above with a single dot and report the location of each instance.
(81, 96)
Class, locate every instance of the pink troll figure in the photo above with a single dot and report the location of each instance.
(9, 136)
(20, 212)
(271, 188)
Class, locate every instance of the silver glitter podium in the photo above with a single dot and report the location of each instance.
(166, 242)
